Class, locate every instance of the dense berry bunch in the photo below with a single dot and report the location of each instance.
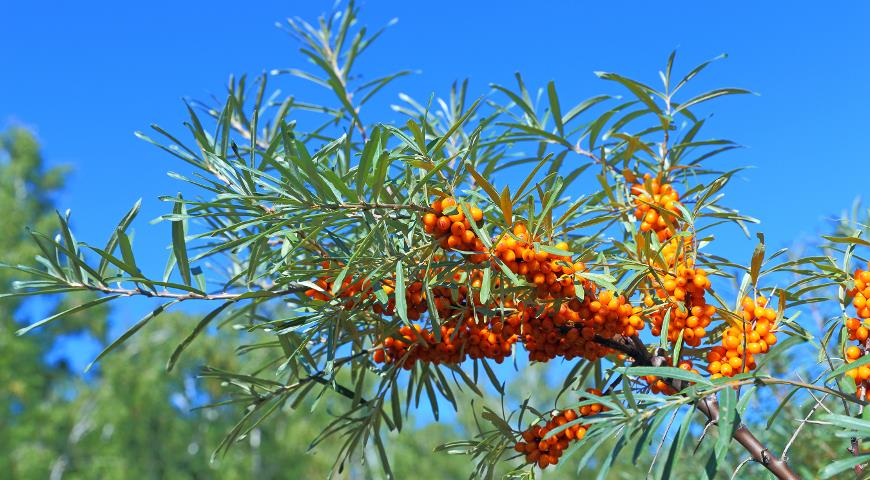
(678, 251)
(415, 300)
(553, 275)
(447, 222)
(349, 289)
(570, 330)
(686, 287)
(468, 340)
(741, 342)
(858, 332)
(656, 207)
(544, 451)
(861, 293)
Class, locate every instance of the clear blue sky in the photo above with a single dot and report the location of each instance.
(86, 75)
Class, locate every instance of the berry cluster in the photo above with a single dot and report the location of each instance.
(544, 451)
(861, 293)
(447, 222)
(675, 251)
(468, 340)
(414, 300)
(686, 287)
(570, 330)
(858, 332)
(553, 275)
(348, 290)
(740, 343)
(860, 375)
(656, 207)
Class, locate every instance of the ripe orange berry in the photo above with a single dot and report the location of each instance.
(443, 224)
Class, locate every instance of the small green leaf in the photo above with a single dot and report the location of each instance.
(555, 108)
(842, 465)
(484, 184)
(401, 302)
(757, 259)
(131, 331)
(485, 284)
(77, 308)
(727, 414)
(200, 326)
(507, 206)
(709, 96)
(179, 243)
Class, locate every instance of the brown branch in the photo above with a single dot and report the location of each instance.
(708, 405)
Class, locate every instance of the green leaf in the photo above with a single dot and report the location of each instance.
(131, 331)
(862, 427)
(667, 372)
(842, 465)
(126, 254)
(848, 366)
(72, 248)
(493, 378)
(200, 326)
(641, 91)
(484, 184)
(485, 284)
(529, 111)
(677, 446)
(401, 301)
(113, 240)
(853, 240)
(371, 148)
(377, 181)
(727, 415)
(695, 71)
(663, 338)
(441, 141)
(507, 206)
(757, 258)
(77, 308)
(555, 108)
(709, 96)
(583, 106)
(179, 245)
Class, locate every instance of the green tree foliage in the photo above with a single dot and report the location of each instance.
(350, 264)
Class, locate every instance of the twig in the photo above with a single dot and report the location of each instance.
(129, 292)
(734, 475)
(709, 406)
(801, 425)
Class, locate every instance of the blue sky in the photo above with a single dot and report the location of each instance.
(86, 75)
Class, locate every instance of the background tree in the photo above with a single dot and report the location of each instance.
(369, 267)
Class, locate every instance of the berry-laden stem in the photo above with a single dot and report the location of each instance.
(708, 405)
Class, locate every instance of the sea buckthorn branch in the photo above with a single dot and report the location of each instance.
(709, 406)
(368, 206)
(290, 288)
(449, 314)
(515, 250)
(318, 377)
